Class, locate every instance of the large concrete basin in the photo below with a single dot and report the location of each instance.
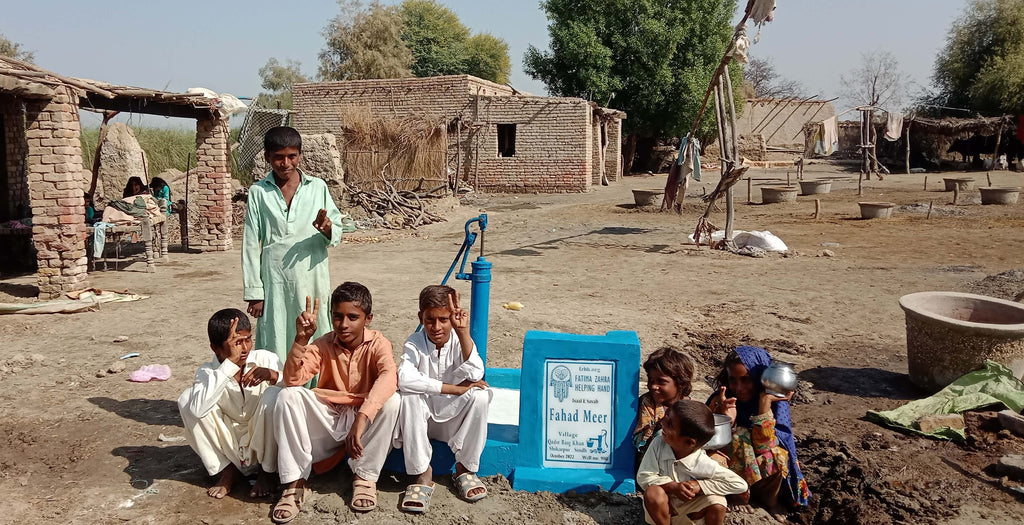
(950, 334)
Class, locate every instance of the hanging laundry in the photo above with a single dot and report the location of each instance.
(894, 126)
(739, 49)
(827, 137)
(689, 158)
(762, 11)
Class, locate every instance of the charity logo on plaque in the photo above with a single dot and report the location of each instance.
(578, 413)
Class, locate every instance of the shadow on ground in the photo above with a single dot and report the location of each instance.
(148, 411)
(862, 382)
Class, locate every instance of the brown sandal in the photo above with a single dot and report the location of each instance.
(363, 490)
(291, 501)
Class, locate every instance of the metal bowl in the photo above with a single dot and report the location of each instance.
(723, 433)
(779, 378)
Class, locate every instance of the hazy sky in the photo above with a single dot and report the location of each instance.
(221, 44)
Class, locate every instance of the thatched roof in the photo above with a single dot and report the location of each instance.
(28, 80)
(959, 126)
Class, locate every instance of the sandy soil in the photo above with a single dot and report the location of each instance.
(85, 449)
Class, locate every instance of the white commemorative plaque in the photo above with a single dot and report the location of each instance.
(578, 413)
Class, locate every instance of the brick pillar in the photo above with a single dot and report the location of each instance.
(55, 192)
(214, 168)
(596, 168)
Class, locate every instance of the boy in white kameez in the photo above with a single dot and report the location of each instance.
(228, 410)
(681, 483)
(443, 397)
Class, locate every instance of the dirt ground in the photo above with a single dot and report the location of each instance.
(84, 449)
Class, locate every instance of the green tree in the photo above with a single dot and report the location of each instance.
(652, 59)
(487, 58)
(980, 67)
(14, 50)
(436, 37)
(442, 45)
(364, 41)
(278, 79)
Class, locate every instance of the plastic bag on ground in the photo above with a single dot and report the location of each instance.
(765, 240)
(150, 373)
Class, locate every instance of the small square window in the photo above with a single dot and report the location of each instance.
(506, 140)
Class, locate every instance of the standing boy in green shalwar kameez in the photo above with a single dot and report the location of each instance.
(288, 227)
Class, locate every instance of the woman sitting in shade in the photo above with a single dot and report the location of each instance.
(134, 187)
(763, 451)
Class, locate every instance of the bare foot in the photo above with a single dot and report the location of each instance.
(261, 488)
(223, 486)
(742, 508)
(778, 512)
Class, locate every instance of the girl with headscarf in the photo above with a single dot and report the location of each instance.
(763, 451)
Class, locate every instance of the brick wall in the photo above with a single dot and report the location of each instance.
(14, 202)
(214, 169)
(55, 180)
(554, 149)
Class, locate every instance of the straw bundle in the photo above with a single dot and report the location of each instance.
(411, 152)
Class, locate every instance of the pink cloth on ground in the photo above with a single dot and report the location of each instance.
(150, 373)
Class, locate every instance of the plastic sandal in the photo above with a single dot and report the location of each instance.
(466, 483)
(416, 498)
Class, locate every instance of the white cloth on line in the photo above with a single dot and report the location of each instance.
(308, 431)
(227, 423)
(894, 126)
(762, 11)
(827, 137)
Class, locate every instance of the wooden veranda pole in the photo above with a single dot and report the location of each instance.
(908, 146)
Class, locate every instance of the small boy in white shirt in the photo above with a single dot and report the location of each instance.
(228, 410)
(681, 483)
(443, 397)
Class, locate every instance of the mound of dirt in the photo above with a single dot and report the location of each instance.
(1008, 285)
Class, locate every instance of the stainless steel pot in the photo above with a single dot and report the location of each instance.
(779, 378)
(723, 433)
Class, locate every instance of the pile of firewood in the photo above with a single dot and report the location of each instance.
(395, 209)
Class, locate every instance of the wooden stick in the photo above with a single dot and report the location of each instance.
(956, 192)
(817, 208)
(729, 205)
(925, 183)
(908, 148)
(748, 191)
(989, 177)
(930, 204)
(787, 178)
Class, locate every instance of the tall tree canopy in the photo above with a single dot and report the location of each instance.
(651, 58)
(14, 50)
(982, 65)
(364, 41)
(442, 45)
(278, 79)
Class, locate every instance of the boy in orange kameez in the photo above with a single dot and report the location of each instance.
(353, 409)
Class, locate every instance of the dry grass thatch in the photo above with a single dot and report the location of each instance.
(411, 152)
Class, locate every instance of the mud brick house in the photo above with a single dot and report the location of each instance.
(498, 139)
(43, 178)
